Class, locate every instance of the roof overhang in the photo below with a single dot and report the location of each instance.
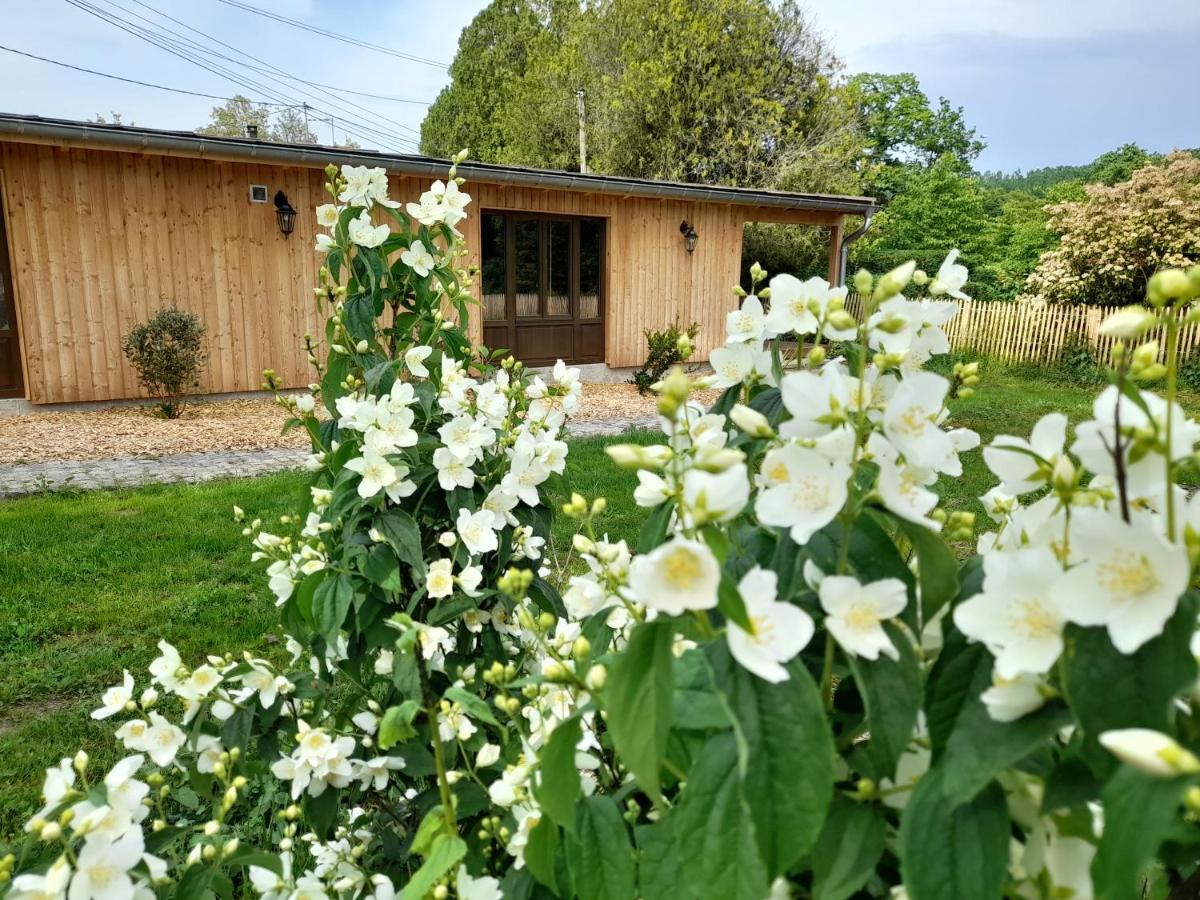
(136, 139)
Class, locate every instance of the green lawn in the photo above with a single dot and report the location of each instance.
(90, 581)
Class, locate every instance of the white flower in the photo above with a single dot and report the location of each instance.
(746, 324)
(167, 669)
(910, 420)
(51, 886)
(482, 888)
(365, 234)
(102, 869)
(1015, 461)
(453, 471)
(1009, 699)
(318, 761)
(454, 723)
(999, 504)
(1018, 614)
(453, 201)
(855, 613)
(780, 630)
(795, 304)
(1150, 751)
(418, 258)
(679, 575)
(161, 740)
(199, 684)
(804, 490)
(820, 402)
(903, 489)
(378, 771)
(652, 489)
(950, 278)
(324, 243)
(439, 581)
(377, 473)
(469, 580)
(718, 497)
(1130, 582)
(115, 698)
(488, 755)
(59, 780)
(365, 186)
(414, 358)
(735, 363)
(429, 211)
(305, 403)
(327, 215)
(475, 530)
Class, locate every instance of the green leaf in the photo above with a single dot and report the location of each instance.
(559, 787)
(697, 705)
(850, 845)
(949, 686)
(321, 812)
(396, 725)
(541, 849)
(547, 597)
(331, 602)
(381, 567)
(980, 747)
(1108, 689)
(447, 850)
(938, 570)
(1139, 813)
(475, 707)
(654, 529)
(949, 851)
(789, 771)
(891, 693)
(195, 883)
(770, 404)
(599, 855)
(248, 856)
(730, 603)
(403, 533)
(715, 828)
(658, 861)
(638, 701)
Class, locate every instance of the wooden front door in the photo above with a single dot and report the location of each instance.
(10, 342)
(543, 286)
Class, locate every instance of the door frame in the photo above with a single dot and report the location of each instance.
(511, 321)
(8, 296)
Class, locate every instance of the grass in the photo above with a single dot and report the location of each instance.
(90, 581)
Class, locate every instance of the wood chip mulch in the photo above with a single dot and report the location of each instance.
(217, 425)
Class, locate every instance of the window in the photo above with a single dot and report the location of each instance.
(543, 285)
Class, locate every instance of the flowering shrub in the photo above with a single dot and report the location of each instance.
(790, 687)
(1114, 240)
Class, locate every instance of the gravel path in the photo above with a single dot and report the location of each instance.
(20, 479)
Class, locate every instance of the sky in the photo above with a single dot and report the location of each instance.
(1045, 82)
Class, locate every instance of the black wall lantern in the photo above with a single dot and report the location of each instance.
(284, 213)
(689, 236)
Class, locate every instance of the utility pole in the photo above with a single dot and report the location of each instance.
(304, 107)
(581, 108)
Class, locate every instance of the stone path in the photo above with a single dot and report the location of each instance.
(130, 471)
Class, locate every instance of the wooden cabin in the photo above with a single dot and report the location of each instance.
(102, 225)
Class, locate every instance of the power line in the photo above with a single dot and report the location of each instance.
(161, 87)
(189, 44)
(189, 54)
(334, 35)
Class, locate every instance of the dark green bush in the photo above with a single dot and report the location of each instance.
(167, 353)
(1077, 362)
(663, 353)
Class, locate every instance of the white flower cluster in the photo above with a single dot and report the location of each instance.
(891, 415)
(1095, 546)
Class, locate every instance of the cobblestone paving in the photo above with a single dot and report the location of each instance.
(131, 471)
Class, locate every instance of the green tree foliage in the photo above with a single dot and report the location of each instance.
(729, 91)
(287, 126)
(903, 131)
(1107, 168)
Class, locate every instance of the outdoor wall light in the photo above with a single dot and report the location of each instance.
(284, 213)
(689, 236)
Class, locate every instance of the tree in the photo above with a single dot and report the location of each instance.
(288, 125)
(1120, 235)
(902, 130)
(115, 118)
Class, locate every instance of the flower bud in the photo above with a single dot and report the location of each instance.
(842, 320)
(581, 648)
(209, 853)
(51, 831)
(1168, 285)
(211, 827)
(816, 356)
(80, 762)
(895, 281)
(556, 671)
(546, 621)
(751, 421)
(596, 678)
(920, 278)
(863, 281)
(599, 505)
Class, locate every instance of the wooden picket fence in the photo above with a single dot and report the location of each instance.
(1033, 331)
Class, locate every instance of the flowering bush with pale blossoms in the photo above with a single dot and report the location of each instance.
(790, 687)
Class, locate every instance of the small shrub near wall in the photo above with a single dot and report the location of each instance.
(665, 348)
(168, 354)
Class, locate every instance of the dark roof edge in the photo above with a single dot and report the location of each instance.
(150, 140)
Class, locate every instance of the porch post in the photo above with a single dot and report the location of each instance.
(835, 250)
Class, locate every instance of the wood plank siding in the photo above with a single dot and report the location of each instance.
(99, 239)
